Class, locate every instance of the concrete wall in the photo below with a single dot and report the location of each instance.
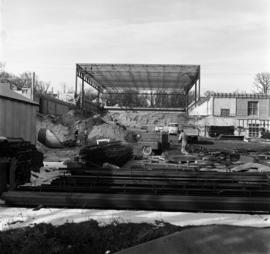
(203, 109)
(220, 121)
(18, 119)
(242, 108)
(224, 103)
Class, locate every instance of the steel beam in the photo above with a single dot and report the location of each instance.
(164, 94)
(89, 78)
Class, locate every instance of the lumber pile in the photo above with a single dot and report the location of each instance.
(160, 182)
(137, 201)
(21, 157)
(163, 189)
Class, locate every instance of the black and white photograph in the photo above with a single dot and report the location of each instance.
(135, 126)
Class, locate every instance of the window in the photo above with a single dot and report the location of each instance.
(252, 108)
(225, 112)
(253, 130)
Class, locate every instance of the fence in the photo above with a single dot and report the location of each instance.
(53, 106)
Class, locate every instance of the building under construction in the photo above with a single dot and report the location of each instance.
(140, 86)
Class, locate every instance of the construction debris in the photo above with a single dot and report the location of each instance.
(215, 131)
(18, 159)
(117, 153)
(230, 137)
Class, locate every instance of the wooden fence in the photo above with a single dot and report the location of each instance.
(54, 106)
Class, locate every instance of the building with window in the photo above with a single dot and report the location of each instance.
(248, 113)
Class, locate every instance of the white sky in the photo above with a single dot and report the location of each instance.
(230, 39)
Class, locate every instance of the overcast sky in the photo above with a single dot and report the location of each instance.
(230, 39)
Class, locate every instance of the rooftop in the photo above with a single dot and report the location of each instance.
(241, 95)
(6, 92)
(117, 77)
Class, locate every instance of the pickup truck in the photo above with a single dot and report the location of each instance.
(158, 128)
(171, 128)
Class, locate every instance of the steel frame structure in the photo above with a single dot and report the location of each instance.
(114, 78)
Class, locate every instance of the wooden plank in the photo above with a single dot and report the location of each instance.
(133, 201)
(149, 190)
(174, 173)
(163, 180)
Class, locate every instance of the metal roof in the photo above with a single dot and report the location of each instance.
(116, 77)
(6, 92)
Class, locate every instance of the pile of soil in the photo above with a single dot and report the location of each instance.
(64, 126)
(151, 119)
(112, 125)
(85, 237)
(50, 122)
(110, 131)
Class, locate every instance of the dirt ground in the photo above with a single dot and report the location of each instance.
(97, 238)
(61, 154)
(111, 125)
(91, 236)
(118, 125)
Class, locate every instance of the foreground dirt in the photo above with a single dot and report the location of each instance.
(205, 143)
(208, 240)
(86, 237)
(91, 237)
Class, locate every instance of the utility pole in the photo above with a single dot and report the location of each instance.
(33, 86)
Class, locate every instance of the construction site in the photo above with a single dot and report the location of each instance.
(133, 126)
(129, 150)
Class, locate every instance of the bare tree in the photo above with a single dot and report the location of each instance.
(262, 82)
(41, 87)
(208, 93)
(2, 66)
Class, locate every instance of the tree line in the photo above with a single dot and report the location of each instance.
(159, 98)
(24, 80)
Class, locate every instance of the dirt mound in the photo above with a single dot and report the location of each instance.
(151, 119)
(64, 126)
(49, 122)
(110, 131)
(111, 125)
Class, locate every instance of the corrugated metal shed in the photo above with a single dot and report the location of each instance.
(17, 115)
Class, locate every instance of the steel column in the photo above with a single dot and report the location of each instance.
(82, 94)
(199, 80)
(76, 82)
(195, 93)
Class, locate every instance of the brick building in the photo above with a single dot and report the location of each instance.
(249, 113)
